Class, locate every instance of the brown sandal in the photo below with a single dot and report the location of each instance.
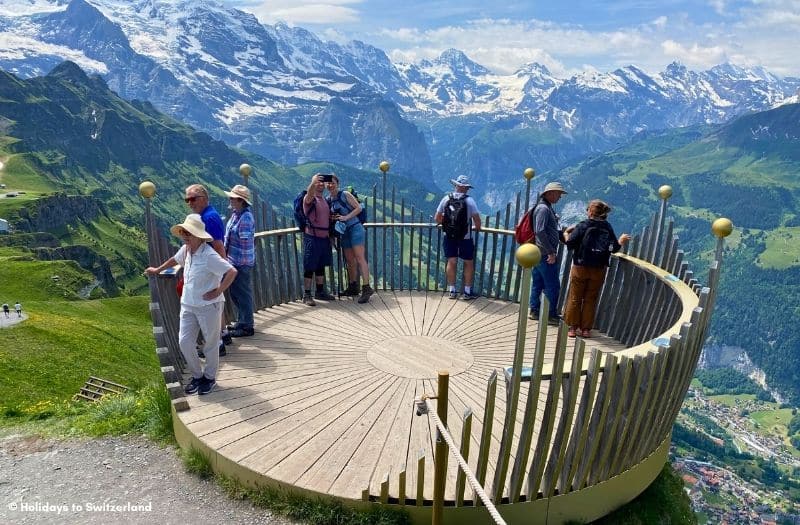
(586, 333)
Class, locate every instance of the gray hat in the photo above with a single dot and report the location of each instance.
(553, 186)
(461, 180)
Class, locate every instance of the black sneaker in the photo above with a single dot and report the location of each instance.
(193, 386)
(470, 296)
(352, 290)
(308, 300)
(554, 321)
(227, 337)
(453, 295)
(366, 292)
(206, 386)
(243, 332)
(222, 350)
(200, 353)
(324, 296)
(533, 314)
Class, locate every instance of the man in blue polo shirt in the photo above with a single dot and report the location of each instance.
(197, 199)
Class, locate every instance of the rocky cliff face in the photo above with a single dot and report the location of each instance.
(87, 259)
(51, 213)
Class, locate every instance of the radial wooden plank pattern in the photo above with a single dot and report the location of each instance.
(323, 398)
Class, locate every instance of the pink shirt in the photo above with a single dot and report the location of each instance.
(319, 215)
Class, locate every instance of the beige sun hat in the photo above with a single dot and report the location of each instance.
(553, 186)
(194, 225)
(240, 192)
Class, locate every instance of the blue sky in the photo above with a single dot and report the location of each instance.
(567, 36)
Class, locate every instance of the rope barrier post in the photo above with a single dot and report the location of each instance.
(440, 465)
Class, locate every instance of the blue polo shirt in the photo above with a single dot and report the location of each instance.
(213, 223)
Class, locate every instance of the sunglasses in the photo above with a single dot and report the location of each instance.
(192, 199)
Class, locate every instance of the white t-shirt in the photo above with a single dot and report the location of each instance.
(202, 272)
(472, 209)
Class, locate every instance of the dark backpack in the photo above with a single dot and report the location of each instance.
(456, 218)
(595, 248)
(362, 215)
(300, 218)
(523, 231)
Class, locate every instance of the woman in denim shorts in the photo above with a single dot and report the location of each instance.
(345, 209)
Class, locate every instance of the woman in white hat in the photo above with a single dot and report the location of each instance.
(241, 252)
(206, 276)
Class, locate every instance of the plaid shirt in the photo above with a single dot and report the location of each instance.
(240, 238)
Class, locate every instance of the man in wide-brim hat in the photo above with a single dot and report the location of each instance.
(545, 274)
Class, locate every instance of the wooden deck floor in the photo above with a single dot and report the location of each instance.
(323, 398)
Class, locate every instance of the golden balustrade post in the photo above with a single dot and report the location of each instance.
(528, 174)
(664, 192)
(528, 255)
(384, 167)
(245, 171)
(440, 466)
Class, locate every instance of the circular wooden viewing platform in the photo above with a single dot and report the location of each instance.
(321, 400)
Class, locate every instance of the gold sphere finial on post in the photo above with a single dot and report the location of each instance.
(147, 189)
(528, 173)
(722, 227)
(528, 255)
(665, 191)
(245, 171)
(383, 166)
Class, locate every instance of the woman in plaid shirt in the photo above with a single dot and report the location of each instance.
(240, 250)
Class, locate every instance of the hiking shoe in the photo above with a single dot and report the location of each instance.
(352, 290)
(245, 331)
(324, 296)
(206, 386)
(200, 353)
(222, 350)
(193, 386)
(227, 338)
(533, 314)
(453, 295)
(553, 321)
(470, 296)
(308, 300)
(366, 292)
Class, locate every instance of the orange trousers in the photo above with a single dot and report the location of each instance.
(585, 283)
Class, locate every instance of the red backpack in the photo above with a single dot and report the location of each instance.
(523, 231)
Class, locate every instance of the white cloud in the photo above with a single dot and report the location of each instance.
(302, 12)
(694, 55)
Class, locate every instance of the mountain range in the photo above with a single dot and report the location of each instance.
(284, 93)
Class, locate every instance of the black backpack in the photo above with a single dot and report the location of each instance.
(299, 215)
(595, 248)
(456, 218)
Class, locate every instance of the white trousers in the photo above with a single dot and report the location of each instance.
(195, 319)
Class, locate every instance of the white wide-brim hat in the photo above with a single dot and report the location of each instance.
(194, 225)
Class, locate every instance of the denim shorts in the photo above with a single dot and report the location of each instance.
(354, 236)
(463, 249)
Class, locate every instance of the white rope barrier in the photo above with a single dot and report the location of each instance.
(463, 465)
